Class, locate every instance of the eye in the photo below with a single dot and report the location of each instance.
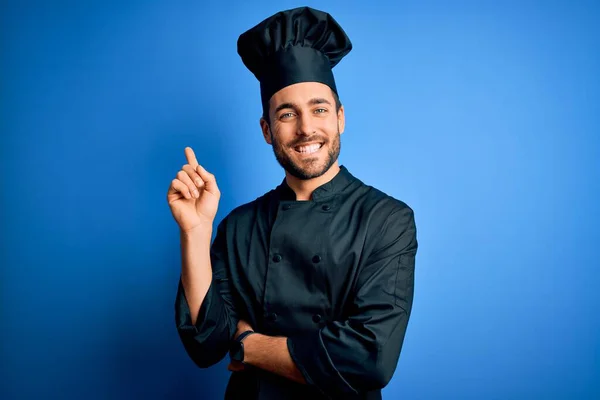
(286, 115)
(320, 110)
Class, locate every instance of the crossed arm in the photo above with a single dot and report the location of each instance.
(269, 353)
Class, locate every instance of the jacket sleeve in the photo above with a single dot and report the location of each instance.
(361, 353)
(207, 342)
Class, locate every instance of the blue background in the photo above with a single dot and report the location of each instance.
(482, 116)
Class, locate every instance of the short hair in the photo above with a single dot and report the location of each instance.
(338, 105)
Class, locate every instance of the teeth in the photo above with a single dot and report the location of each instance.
(308, 149)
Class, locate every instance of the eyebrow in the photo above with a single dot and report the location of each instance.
(311, 102)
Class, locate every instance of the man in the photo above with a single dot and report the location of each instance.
(310, 286)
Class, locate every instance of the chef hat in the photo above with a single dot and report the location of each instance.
(293, 46)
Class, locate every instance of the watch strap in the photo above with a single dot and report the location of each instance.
(243, 335)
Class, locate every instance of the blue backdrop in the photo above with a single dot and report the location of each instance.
(482, 116)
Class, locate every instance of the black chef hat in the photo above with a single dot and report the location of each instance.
(293, 46)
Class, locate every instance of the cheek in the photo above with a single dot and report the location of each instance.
(331, 128)
(278, 142)
(282, 135)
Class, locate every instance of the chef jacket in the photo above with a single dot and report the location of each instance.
(334, 274)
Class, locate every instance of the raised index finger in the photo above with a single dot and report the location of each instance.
(191, 157)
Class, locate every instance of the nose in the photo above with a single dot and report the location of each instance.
(305, 125)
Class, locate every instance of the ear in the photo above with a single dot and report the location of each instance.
(266, 131)
(341, 120)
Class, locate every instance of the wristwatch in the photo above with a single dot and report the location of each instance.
(236, 350)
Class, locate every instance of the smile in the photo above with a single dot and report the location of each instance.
(309, 148)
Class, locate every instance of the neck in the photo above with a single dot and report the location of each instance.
(305, 187)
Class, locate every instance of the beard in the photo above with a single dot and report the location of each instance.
(310, 168)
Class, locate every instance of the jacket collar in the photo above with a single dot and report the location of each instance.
(337, 184)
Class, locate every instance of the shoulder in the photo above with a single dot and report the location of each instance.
(381, 203)
(392, 227)
(389, 217)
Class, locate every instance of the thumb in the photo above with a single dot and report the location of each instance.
(209, 180)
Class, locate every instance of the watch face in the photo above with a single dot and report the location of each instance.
(237, 351)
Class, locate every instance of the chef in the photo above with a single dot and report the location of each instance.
(308, 288)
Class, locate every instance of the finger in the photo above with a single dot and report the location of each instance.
(191, 157)
(185, 178)
(194, 176)
(235, 366)
(179, 187)
(209, 179)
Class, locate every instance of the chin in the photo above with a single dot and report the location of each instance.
(310, 171)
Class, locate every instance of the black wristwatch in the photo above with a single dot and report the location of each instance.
(236, 350)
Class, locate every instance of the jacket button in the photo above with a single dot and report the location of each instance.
(316, 259)
(276, 258)
(316, 318)
(326, 207)
(286, 207)
(271, 316)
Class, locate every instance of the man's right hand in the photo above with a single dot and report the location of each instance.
(194, 195)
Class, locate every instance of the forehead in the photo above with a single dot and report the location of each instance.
(301, 93)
